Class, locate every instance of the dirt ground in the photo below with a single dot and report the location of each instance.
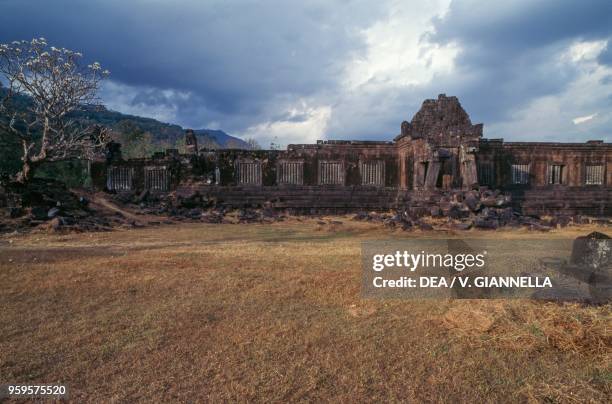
(273, 312)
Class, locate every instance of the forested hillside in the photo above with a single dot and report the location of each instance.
(139, 136)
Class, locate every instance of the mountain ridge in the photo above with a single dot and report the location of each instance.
(162, 132)
(140, 136)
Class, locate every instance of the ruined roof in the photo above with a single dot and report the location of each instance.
(440, 117)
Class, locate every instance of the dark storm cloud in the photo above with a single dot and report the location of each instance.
(231, 55)
(242, 63)
(510, 51)
(516, 25)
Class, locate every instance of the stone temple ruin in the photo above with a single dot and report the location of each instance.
(438, 157)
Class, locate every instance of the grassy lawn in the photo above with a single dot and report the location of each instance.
(274, 312)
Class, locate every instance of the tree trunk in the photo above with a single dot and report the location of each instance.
(27, 169)
(26, 173)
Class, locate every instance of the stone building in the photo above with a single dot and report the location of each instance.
(439, 151)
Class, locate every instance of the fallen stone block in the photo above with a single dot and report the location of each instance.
(53, 212)
(505, 215)
(435, 211)
(458, 211)
(425, 226)
(486, 223)
(593, 250)
(361, 216)
(540, 227)
(472, 203)
(489, 202)
(389, 223)
(462, 226)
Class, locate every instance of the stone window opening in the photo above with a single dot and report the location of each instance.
(249, 172)
(331, 172)
(555, 174)
(290, 173)
(372, 173)
(485, 173)
(156, 178)
(120, 178)
(594, 174)
(520, 174)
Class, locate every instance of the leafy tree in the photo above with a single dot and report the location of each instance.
(57, 85)
(180, 145)
(135, 142)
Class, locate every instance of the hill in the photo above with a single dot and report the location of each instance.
(161, 133)
(220, 137)
(139, 136)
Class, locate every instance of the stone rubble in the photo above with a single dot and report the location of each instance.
(464, 210)
(50, 205)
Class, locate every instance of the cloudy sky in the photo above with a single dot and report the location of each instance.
(297, 71)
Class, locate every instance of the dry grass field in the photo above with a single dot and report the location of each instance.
(198, 312)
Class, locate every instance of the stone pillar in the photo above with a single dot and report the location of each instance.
(191, 142)
(467, 166)
(113, 152)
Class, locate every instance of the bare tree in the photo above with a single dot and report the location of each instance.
(274, 145)
(253, 144)
(45, 86)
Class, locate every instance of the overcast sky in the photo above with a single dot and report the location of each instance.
(299, 71)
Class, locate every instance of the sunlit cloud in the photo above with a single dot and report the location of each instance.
(301, 123)
(295, 72)
(583, 119)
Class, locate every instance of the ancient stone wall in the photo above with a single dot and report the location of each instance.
(439, 150)
(546, 164)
